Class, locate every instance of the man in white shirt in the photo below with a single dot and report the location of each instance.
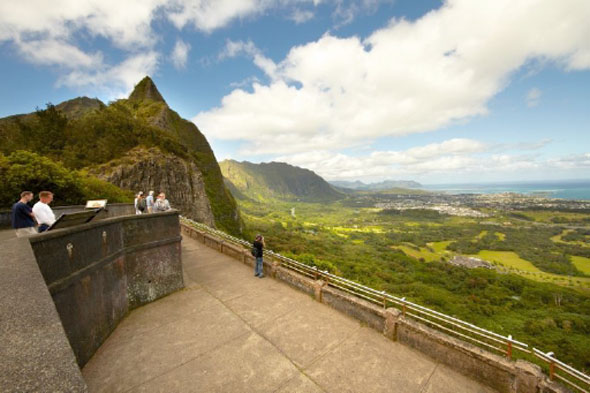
(43, 213)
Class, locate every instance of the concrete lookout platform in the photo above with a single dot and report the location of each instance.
(228, 331)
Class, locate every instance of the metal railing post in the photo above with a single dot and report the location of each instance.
(509, 349)
(551, 366)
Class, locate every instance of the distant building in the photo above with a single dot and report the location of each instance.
(470, 262)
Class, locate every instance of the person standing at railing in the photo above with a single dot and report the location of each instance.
(258, 252)
(149, 200)
(161, 204)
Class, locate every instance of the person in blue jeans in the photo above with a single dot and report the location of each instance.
(258, 247)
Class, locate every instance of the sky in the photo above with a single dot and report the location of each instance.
(455, 91)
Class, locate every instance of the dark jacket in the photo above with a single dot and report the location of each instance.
(258, 247)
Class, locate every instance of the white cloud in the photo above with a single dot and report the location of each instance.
(58, 33)
(180, 54)
(533, 97)
(236, 48)
(52, 33)
(301, 16)
(346, 10)
(406, 78)
(572, 162)
(56, 52)
(125, 24)
(116, 80)
(460, 158)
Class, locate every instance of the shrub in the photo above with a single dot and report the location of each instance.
(24, 170)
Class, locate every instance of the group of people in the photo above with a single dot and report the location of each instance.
(29, 221)
(149, 205)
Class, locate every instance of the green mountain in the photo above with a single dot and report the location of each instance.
(136, 144)
(276, 180)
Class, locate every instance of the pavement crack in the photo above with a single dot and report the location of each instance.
(425, 385)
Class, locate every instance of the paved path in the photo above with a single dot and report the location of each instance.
(229, 331)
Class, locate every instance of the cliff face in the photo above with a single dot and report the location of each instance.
(150, 169)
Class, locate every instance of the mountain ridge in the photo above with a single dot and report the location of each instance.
(276, 180)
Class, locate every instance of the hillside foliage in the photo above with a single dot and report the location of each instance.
(23, 170)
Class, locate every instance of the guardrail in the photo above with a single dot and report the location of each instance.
(486, 339)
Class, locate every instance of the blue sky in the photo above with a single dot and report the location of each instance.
(438, 92)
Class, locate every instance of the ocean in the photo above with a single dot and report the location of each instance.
(572, 189)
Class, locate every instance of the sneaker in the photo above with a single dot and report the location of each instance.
(261, 276)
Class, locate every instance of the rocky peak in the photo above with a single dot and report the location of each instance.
(146, 90)
(78, 107)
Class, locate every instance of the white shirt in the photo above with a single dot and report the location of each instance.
(43, 213)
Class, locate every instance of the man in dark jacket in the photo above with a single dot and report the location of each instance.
(258, 247)
(22, 215)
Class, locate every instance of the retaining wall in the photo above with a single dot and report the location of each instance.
(98, 272)
(504, 375)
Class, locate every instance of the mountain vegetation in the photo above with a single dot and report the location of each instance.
(84, 134)
(24, 170)
(276, 180)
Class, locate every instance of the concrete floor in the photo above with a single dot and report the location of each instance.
(229, 331)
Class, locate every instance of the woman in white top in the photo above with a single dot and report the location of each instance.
(43, 213)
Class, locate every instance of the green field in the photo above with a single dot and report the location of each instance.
(421, 253)
(440, 247)
(508, 259)
(547, 216)
(582, 263)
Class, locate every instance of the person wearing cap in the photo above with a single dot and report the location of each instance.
(258, 251)
(139, 203)
(43, 213)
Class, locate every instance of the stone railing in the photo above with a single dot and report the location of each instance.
(498, 372)
(112, 210)
(63, 292)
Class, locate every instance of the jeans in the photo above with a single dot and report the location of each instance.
(258, 270)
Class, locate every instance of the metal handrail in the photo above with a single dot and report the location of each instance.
(428, 316)
(557, 365)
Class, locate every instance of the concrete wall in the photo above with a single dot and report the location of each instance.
(34, 350)
(112, 210)
(98, 272)
(504, 375)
